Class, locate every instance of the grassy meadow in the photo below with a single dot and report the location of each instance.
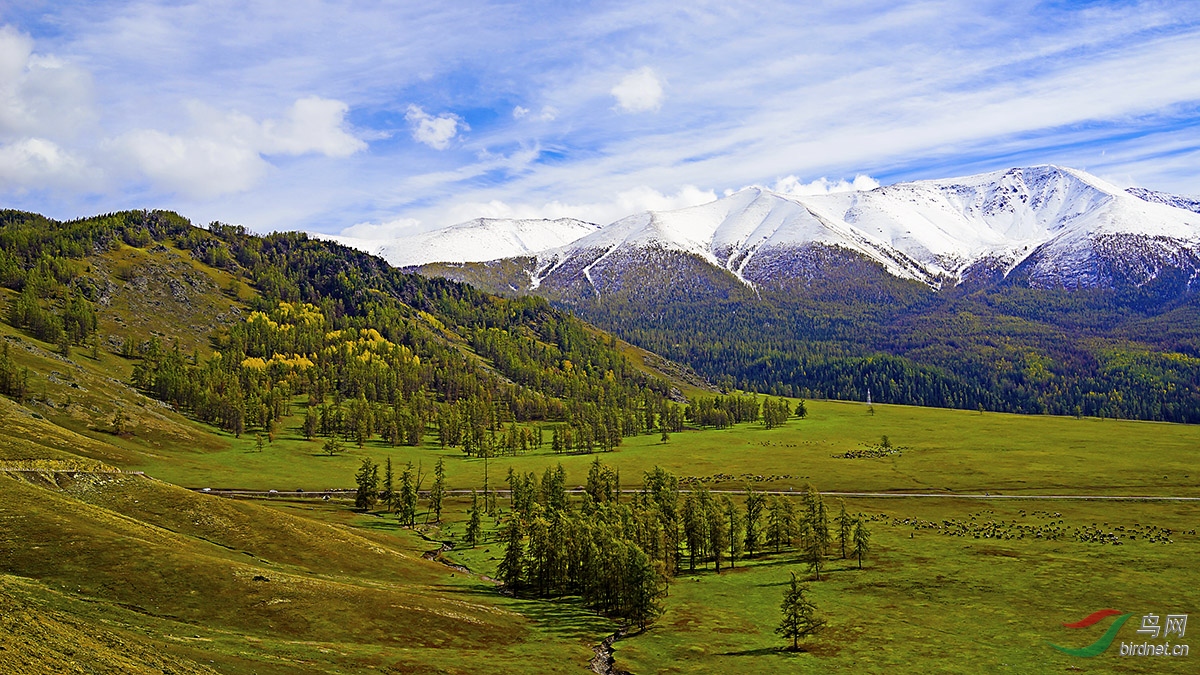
(940, 451)
(131, 574)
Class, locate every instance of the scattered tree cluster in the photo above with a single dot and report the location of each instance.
(400, 498)
(14, 381)
(616, 557)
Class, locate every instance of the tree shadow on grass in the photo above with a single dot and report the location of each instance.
(380, 525)
(562, 617)
(766, 651)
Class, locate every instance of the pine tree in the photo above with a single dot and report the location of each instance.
(438, 491)
(474, 527)
(734, 523)
(389, 487)
(513, 563)
(755, 503)
(845, 525)
(408, 497)
(367, 479)
(799, 615)
(862, 541)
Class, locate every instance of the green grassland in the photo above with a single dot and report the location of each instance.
(930, 601)
(172, 576)
(109, 572)
(941, 451)
(925, 601)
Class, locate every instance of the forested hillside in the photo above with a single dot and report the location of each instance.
(375, 352)
(832, 324)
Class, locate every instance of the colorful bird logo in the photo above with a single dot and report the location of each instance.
(1105, 640)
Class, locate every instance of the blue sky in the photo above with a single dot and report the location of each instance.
(376, 118)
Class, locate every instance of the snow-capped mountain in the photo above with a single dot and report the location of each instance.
(1054, 226)
(484, 239)
(1187, 203)
(1046, 225)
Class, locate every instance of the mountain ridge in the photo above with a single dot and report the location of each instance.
(938, 232)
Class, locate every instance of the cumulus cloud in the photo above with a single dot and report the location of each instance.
(639, 91)
(40, 95)
(196, 166)
(436, 132)
(225, 152)
(37, 163)
(43, 100)
(519, 112)
(791, 185)
(313, 124)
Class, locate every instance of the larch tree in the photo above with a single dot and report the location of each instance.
(408, 497)
(734, 523)
(367, 479)
(755, 503)
(474, 526)
(389, 487)
(438, 491)
(799, 615)
(862, 541)
(512, 566)
(845, 526)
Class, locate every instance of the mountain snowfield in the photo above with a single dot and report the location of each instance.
(1057, 226)
(484, 239)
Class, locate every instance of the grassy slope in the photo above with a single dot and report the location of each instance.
(156, 565)
(252, 588)
(129, 571)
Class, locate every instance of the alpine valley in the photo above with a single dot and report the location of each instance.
(1041, 290)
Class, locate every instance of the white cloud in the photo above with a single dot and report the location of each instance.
(313, 124)
(43, 101)
(639, 91)
(436, 132)
(40, 95)
(39, 163)
(790, 185)
(381, 231)
(548, 114)
(196, 166)
(224, 151)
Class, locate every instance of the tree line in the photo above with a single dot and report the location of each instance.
(619, 556)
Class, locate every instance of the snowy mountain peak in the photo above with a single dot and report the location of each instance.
(484, 239)
(1177, 201)
(1059, 225)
